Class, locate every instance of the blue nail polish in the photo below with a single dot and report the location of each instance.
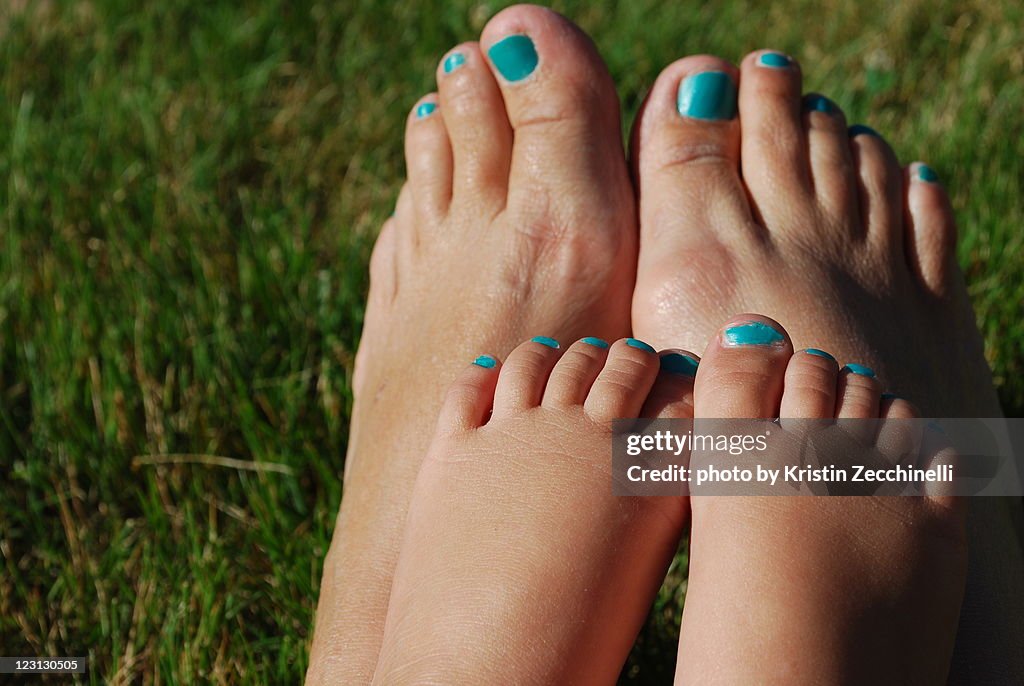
(453, 62)
(858, 129)
(596, 342)
(752, 333)
(515, 57)
(819, 103)
(425, 109)
(926, 173)
(860, 370)
(485, 361)
(774, 59)
(709, 95)
(819, 353)
(678, 363)
(640, 345)
(889, 396)
(544, 340)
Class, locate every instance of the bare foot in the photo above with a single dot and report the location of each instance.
(519, 566)
(517, 220)
(754, 197)
(812, 590)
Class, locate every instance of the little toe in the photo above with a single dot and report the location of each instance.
(524, 375)
(469, 399)
(743, 369)
(880, 189)
(572, 377)
(624, 382)
(858, 393)
(671, 397)
(931, 229)
(810, 385)
(428, 158)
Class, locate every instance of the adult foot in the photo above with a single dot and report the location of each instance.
(519, 565)
(517, 220)
(810, 590)
(754, 197)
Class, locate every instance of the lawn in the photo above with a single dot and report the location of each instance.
(188, 194)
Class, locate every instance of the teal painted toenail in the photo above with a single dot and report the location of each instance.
(752, 333)
(678, 363)
(515, 57)
(819, 103)
(639, 345)
(544, 340)
(860, 370)
(819, 353)
(774, 59)
(596, 342)
(485, 361)
(708, 95)
(858, 129)
(453, 62)
(926, 173)
(425, 109)
(889, 396)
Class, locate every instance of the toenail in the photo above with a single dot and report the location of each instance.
(515, 57)
(819, 103)
(485, 361)
(858, 129)
(639, 345)
(752, 333)
(926, 173)
(596, 342)
(425, 109)
(678, 363)
(819, 353)
(453, 62)
(708, 95)
(775, 60)
(860, 370)
(890, 396)
(544, 340)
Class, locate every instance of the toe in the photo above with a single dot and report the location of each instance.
(383, 272)
(833, 173)
(624, 382)
(880, 190)
(469, 399)
(428, 158)
(572, 377)
(774, 147)
(810, 385)
(858, 393)
(481, 137)
(743, 369)
(671, 397)
(524, 375)
(931, 228)
(563, 109)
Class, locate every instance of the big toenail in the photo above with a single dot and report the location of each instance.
(639, 345)
(453, 62)
(752, 333)
(775, 60)
(819, 103)
(860, 370)
(708, 95)
(858, 129)
(515, 57)
(926, 173)
(485, 361)
(819, 353)
(677, 363)
(596, 342)
(425, 109)
(545, 340)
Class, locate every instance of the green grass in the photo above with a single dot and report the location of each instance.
(188, 193)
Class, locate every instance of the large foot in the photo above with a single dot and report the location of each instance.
(519, 565)
(517, 220)
(754, 197)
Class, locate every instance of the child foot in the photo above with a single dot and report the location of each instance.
(812, 590)
(756, 197)
(518, 564)
(517, 219)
